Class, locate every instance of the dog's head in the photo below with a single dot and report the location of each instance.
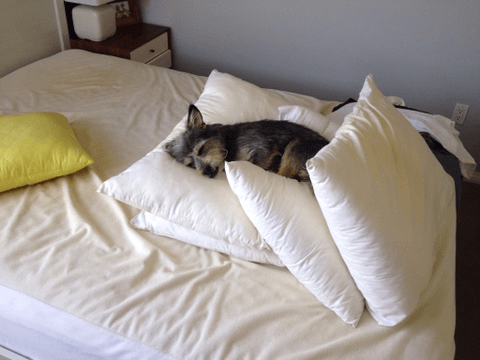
(200, 147)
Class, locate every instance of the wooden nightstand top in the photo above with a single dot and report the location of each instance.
(125, 40)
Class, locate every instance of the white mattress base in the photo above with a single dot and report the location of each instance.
(41, 332)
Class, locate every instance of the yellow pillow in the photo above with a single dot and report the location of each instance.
(37, 147)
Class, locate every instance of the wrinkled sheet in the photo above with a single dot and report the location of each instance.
(65, 245)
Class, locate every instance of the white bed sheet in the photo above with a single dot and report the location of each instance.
(65, 245)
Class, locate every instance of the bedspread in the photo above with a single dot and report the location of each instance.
(68, 246)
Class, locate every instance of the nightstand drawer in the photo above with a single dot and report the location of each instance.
(162, 60)
(151, 49)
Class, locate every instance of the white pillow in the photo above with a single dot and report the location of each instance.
(288, 217)
(383, 196)
(162, 186)
(310, 119)
(160, 226)
(228, 100)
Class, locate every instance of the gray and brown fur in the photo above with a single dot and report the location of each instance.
(281, 147)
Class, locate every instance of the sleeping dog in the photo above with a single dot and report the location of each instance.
(282, 147)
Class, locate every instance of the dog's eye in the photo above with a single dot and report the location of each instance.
(188, 161)
(201, 150)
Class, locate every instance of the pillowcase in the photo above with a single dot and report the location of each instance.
(443, 130)
(310, 119)
(288, 217)
(167, 189)
(37, 147)
(384, 197)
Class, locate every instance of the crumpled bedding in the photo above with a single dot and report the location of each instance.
(72, 248)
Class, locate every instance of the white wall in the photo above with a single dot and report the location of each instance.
(28, 32)
(427, 52)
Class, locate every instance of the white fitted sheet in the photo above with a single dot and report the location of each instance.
(65, 245)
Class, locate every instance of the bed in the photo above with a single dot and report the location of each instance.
(125, 254)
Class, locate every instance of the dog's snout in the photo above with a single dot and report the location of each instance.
(210, 171)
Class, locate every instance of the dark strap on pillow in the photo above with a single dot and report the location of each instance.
(450, 163)
(350, 100)
(339, 106)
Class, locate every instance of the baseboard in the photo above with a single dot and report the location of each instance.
(475, 178)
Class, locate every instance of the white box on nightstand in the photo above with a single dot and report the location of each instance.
(95, 23)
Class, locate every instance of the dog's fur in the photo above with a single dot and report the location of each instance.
(282, 147)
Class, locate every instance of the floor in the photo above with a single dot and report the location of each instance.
(467, 335)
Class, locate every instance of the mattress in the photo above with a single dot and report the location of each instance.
(70, 255)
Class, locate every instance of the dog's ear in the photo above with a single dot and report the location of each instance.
(195, 117)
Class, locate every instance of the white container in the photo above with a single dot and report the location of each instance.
(89, 2)
(95, 23)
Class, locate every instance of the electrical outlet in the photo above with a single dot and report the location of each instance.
(460, 113)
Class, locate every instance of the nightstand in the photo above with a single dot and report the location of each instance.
(145, 43)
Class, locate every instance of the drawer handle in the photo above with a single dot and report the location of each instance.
(152, 51)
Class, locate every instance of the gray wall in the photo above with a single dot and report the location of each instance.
(427, 52)
(28, 32)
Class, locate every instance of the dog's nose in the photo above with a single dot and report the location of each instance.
(210, 171)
